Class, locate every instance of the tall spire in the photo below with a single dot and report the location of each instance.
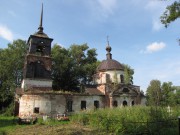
(41, 21)
(108, 49)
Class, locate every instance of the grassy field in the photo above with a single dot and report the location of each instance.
(121, 121)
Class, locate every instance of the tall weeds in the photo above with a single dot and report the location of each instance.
(128, 120)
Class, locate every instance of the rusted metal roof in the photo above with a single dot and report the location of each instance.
(93, 91)
(41, 34)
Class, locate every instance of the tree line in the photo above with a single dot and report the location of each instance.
(162, 94)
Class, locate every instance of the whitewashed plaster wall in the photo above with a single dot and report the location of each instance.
(103, 76)
(49, 103)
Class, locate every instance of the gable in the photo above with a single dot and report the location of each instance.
(131, 91)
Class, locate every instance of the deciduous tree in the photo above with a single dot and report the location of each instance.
(11, 66)
(128, 74)
(153, 93)
(171, 13)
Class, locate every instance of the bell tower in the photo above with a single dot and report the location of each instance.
(37, 66)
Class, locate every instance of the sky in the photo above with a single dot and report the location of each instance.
(135, 33)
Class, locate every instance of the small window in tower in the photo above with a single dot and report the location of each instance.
(108, 79)
(122, 78)
(39, 50)
(36, 110)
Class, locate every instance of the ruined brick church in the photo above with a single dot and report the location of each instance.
(37, 97)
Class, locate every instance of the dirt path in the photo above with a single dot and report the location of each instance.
(54, 130)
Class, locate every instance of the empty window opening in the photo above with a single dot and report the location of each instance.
(96, 104)
(36, 110)
(69, 106)
(39, 50)
(132, 103)
(115, 104)
(83, 105)
(108, 79)
(124, 103)
(122, 78)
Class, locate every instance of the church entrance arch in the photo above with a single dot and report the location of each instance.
(124, 103)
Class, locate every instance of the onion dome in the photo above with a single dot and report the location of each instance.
(109, 63)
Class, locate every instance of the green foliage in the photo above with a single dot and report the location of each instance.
(128, 74)
(153, 93)
(168, 94)
(125, 120)
(11, 66)
(171, 13)
(164, 95)
(130, 120)
(73, 67)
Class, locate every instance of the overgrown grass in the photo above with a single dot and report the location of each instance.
(121, 121)
(7, 124)
(10, 124)
(131, 120)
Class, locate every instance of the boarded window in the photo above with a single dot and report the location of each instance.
(83, 105)
(36, 110)
(96, 104)
(69, 106)
(115, 104)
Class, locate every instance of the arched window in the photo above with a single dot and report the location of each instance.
(126, 90)
(108, 79)
(132, 103)
(124, 103)
(122, 78)
(115, 103)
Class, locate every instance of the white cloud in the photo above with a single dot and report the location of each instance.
(108, 6)
(154, 5)
(102, 9)
(156, 8)
(154, 47)
(6, 33)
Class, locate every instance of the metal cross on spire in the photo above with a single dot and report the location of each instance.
(107, 40)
